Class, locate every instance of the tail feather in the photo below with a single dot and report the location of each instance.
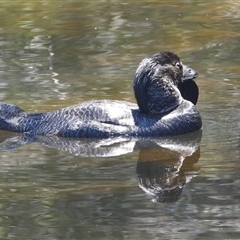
(11, 117)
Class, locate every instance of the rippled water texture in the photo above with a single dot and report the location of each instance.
(57, 53)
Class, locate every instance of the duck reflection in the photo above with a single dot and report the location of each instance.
(164, 165)
(162, 173)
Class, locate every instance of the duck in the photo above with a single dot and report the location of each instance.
(165, 92)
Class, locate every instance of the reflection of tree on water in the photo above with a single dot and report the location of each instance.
(164, 165)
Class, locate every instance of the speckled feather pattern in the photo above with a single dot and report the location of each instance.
(94, 119)
(160, 109)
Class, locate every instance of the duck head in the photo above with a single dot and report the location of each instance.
(188, 88)
(160, 81)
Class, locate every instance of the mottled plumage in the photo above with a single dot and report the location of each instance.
(160, 83)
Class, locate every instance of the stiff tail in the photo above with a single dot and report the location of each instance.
(11, 117)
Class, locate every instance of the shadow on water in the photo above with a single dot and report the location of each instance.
(163, 168)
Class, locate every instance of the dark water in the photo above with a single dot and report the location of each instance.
(57, 53)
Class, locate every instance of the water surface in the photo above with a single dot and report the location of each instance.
(58, 53)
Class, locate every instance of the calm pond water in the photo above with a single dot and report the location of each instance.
(57, 53)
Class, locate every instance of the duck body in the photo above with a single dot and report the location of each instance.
(161, 109)
(103, 118)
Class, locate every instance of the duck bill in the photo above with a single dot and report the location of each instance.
(189, 73)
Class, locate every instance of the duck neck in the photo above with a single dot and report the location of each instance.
(163, 98)
(156, 94)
